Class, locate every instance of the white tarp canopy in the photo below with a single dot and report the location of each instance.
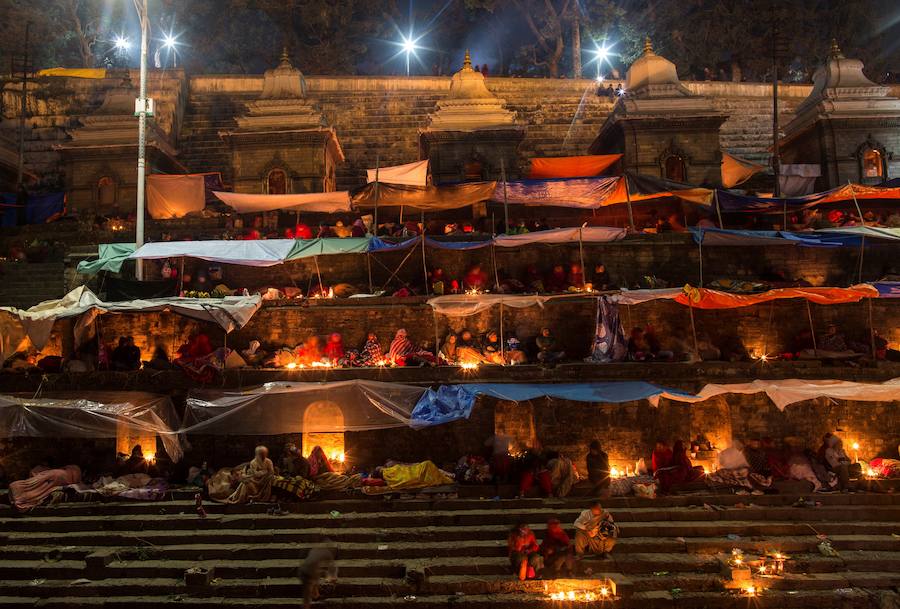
(633, 297)
(284, 407)
(587, 234)
(783, 393)
(268, 252)
(37, 322)
(314, 202)
(464, 305)
(873, 232)
(410, 174)
(96, 414)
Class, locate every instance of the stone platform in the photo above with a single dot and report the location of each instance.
(135, 554)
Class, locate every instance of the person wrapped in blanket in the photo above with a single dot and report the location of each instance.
(246, 483)
(403, 352)
(679, 470)
(524, 552)
(735, 471)
(557, 550)
(199, 360)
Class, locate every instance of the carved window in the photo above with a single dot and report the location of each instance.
(106, 191)
(872, 164)
(276, 182)
(674, 168)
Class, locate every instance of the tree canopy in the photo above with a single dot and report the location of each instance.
(555, 38)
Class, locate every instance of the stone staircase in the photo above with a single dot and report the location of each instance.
(135, 554)
(25, 284)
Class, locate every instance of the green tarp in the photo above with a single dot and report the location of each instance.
(112, 255)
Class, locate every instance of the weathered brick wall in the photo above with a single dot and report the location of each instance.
(572, 322)
(628, 431)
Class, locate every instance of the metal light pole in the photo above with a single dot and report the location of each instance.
(141, 7)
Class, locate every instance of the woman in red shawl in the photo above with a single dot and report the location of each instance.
(680, 472)
(661, 458)
(400, 347)
(199, 360)
(334, 349)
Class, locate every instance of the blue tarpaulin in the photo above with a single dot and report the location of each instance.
(887, 289)
(39, 209)
(566, 192)
(453, 402)
(718, 236)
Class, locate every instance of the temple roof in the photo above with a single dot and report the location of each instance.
(469, 105)
(653, 75)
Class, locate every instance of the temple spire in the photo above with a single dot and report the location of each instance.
(285, 58)
(648, 46)
(835, 51)
(467, 62)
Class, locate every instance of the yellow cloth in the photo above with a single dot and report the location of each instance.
(736, 170)
(74, 72)
(416, 475)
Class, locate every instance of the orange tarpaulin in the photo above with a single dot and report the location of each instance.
(736, 170)
(702, 298)
(701, 196)
(859, 191)
(572, 166)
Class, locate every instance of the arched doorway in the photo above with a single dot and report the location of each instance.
(872, 165)
(674, 168)
(319, 422)
(106, 191)
(276, 182)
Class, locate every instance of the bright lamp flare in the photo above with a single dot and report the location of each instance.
(409, 45)
(602, 53)
(122, 43)
(170, 41)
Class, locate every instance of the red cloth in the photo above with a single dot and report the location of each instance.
(524, 544)
(302, 231)
(543, 480)
(661, 459)
(680, 472)
(334, 348)
(555, 540)
(475, 279)
(27, 494)
(318, 462)
(198, 346)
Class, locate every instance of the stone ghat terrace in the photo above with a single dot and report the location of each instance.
(135, 555)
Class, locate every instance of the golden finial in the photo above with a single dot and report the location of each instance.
(467, 62)
(835, 50)
(285, 59)
(648, 46)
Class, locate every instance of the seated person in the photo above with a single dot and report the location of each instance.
(557, 550)
(126, 356)
(838, 462)
(245, 483)
(293, 463)
(598, 469)
(475, 279)
(548, 349)
(334, 349)
(534, 470)
(733, 349)
(595, 531)
(523, 550)
(136, 463)
(160, 359)
(655, 345)
(556, 280)
(575, 277)
(493, 350)
(469, 350)
(601, 279)
(371, 353)
(309, 353)
(638, 347)
(449, 354)
(403, 352)
(680, 472)
(515, 356)
(661, 457)
(533, 280)
(756, 457)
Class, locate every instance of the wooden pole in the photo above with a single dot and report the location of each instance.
(693, 327)
(502, 341)
(424, 263)
(505, 198)
(494, 264)
(319, 275)
(872, 331)
(718, 208)
(377, 193)
(862, 253)
(812, 327)
(437, 337)
(581, 257)
(181, 277)
(628, 201)
(369, 267)
(769, 328)
(700, 246)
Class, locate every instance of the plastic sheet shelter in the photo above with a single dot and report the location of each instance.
(785, 392)
(756, 238)
(39, 209)
(175, 196)
(92, 415)
(426, 199)
(92, 73)
(248, 253)
(572, 166)
(465, 305)
(278, 408)
(735, 203)
(315, 202)
(228, 313)
(410, 174)
(557, 236)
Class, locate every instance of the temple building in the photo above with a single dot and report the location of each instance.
(282, 144)
(471, 135)
(661, 128)
(848, 129)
